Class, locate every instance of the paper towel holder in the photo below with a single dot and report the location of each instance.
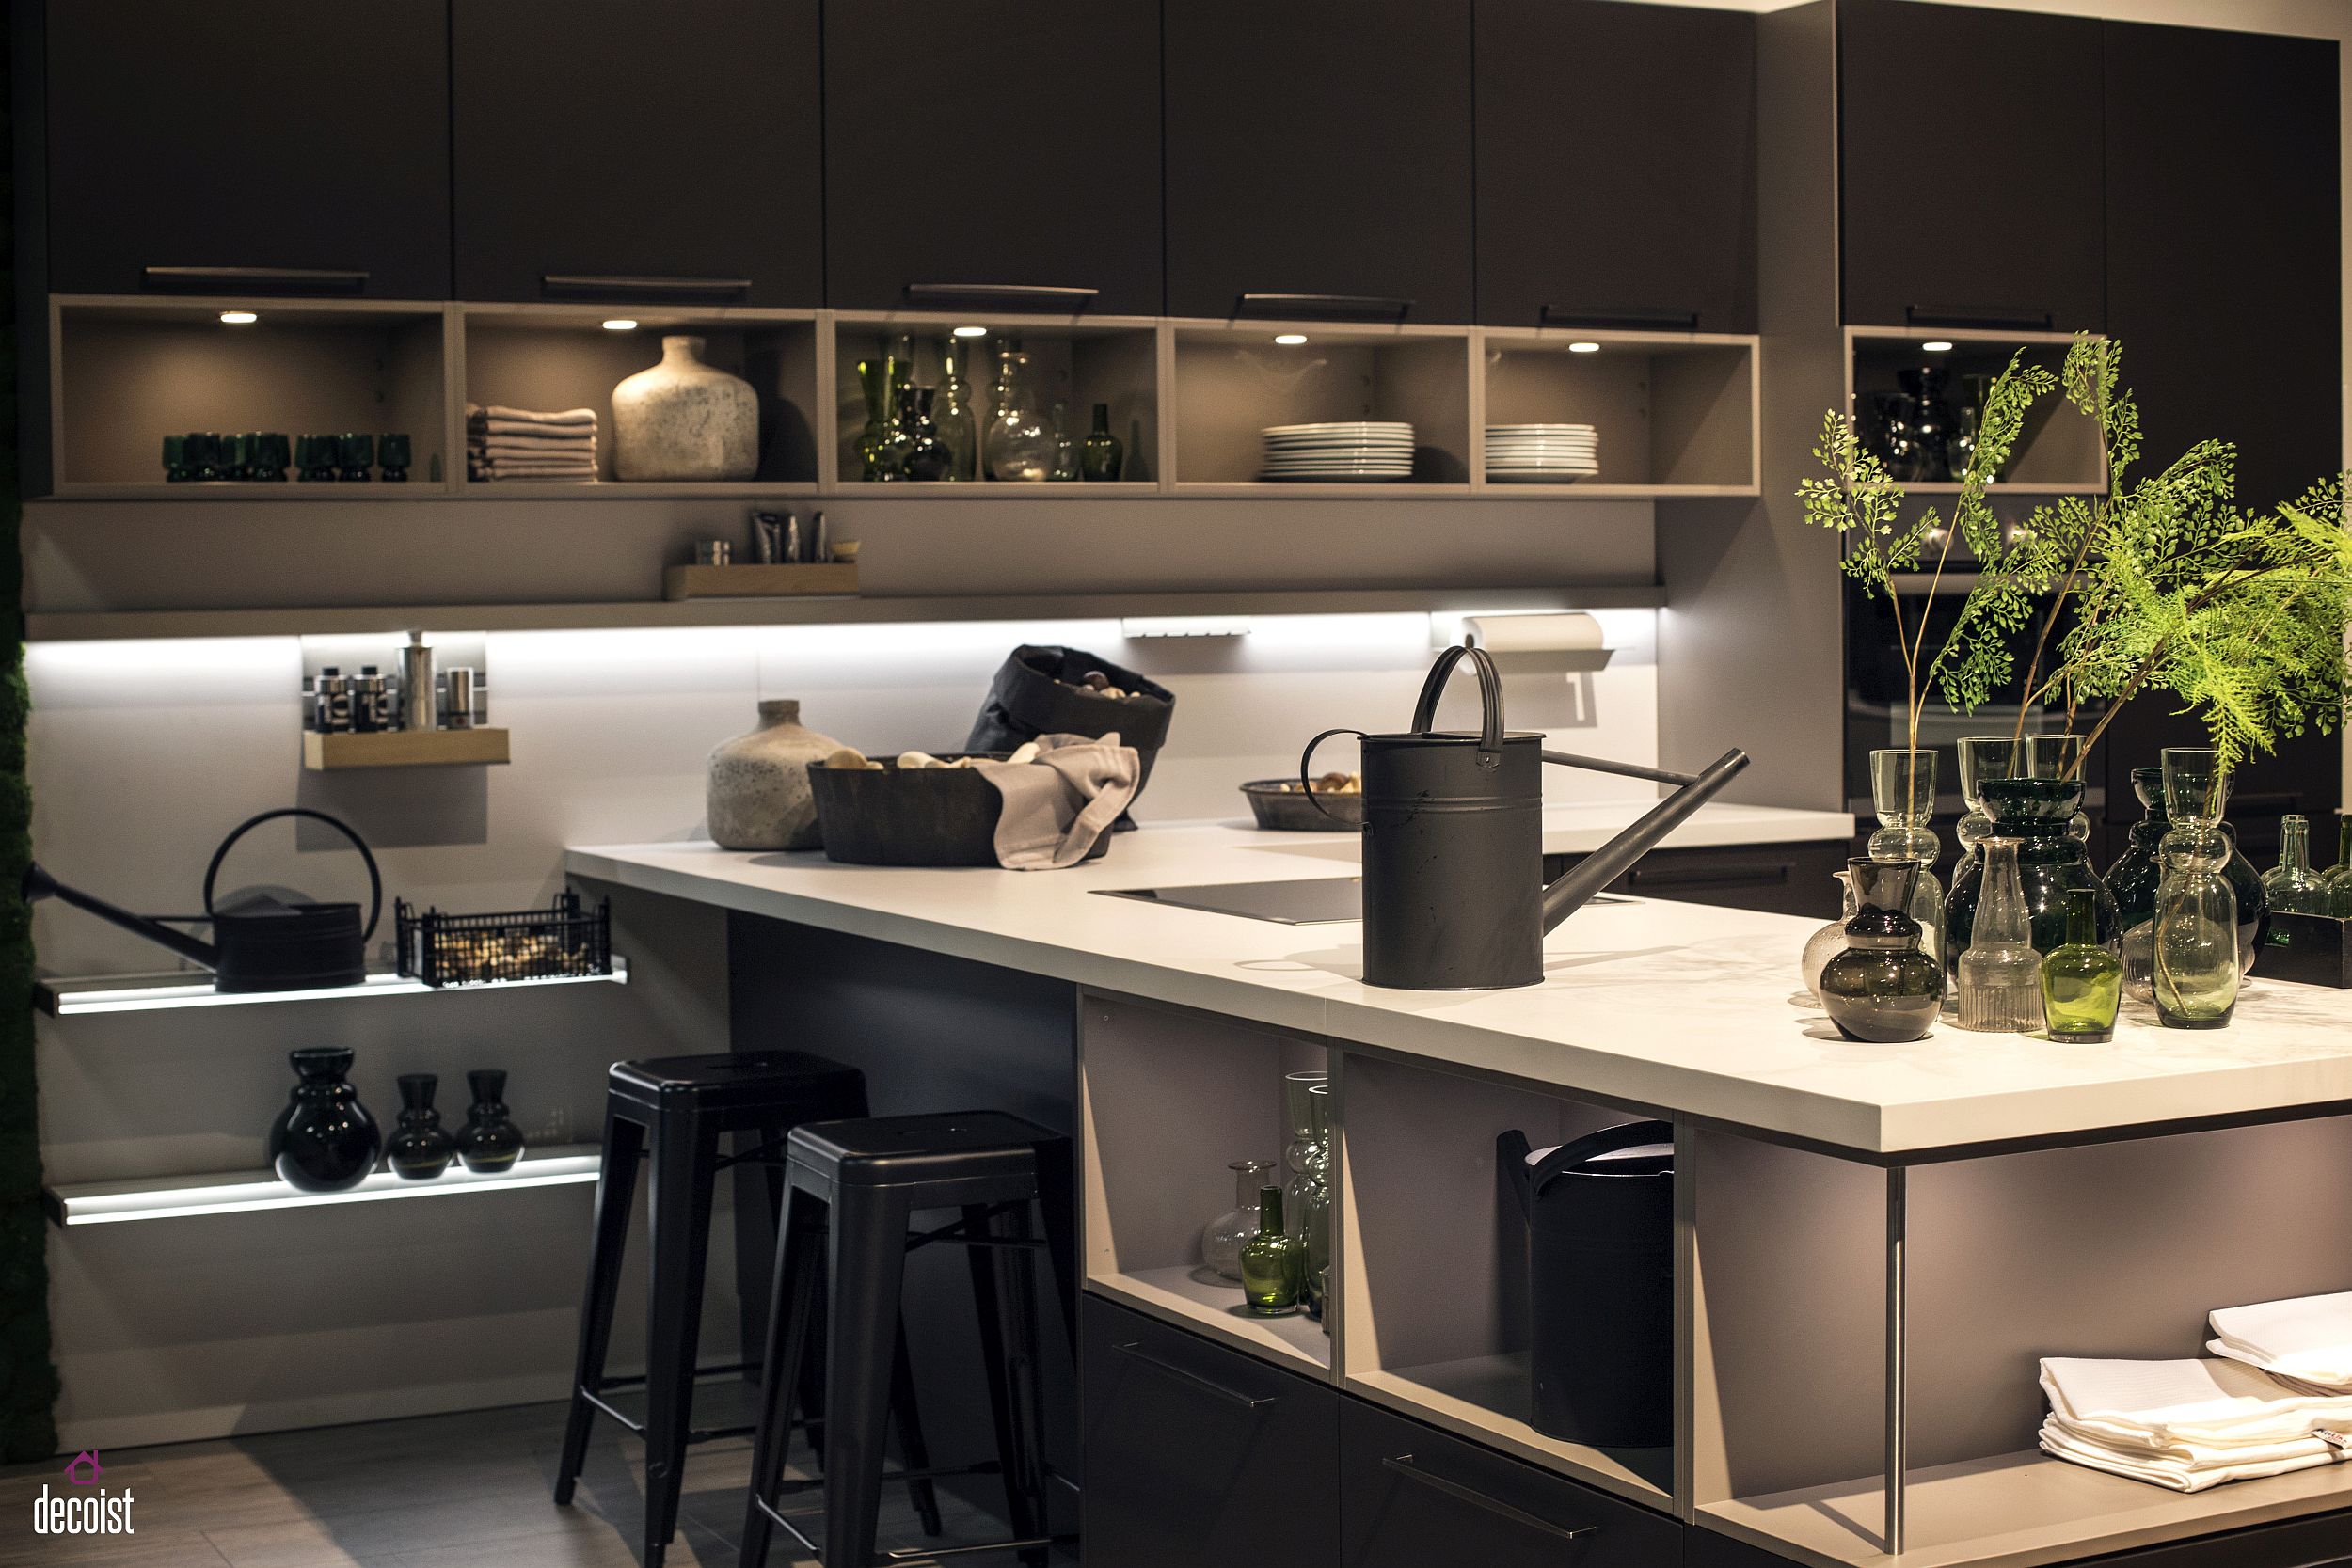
(1567, 641)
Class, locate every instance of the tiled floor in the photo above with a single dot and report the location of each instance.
(469, 1491)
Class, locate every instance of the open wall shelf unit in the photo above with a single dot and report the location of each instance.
(70, 996)
(1781, 1302)
(169, 1197)
(2061, 450)
(1676, 412)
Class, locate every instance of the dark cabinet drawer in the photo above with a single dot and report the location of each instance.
(1199, 1454)
(621, 153)
(269, 148)
(1319, 147)
(1776, 878)
(1033, 161)
(1411, 1497)
(1587, 214)
(1933, 235)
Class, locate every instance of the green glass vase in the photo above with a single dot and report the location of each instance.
(1273, 1265)
(1103, 457)
(2082, 981)
(2292, 886)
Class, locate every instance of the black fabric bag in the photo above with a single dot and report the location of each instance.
(1041, 690)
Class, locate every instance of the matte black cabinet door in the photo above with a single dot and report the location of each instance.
(1320, 147)
(1029, 158)
(604, 141)
(1616, 164)
(1411, 1496)
(1969, 152)
(271, 135)
(1199, 1454)
(2222, 286)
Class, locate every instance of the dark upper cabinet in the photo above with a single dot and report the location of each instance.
(1034, 164)
(1319, 147)
(2223, 279)
(276, 135)
(1616, 164)
(604, 141)
(1969, 167)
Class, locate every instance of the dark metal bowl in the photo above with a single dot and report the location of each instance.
(1289, 811)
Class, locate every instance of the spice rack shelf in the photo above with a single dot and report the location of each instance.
(67, 997)
(247, 1193)
(328, 753)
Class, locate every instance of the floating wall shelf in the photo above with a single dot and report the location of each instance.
(328, 753)
(140, 993)
(189, 1197)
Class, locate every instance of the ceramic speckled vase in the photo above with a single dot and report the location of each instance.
(685, 420)
(758, 796)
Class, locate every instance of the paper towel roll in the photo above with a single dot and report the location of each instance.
(1567, 640)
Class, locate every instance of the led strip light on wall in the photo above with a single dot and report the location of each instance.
(67, 998)
(117, 1202)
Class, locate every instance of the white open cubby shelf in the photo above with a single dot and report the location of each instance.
(2116, 1248)
(1676, 412)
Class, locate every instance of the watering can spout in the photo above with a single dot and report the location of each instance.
(40, 884)
(1613, 860)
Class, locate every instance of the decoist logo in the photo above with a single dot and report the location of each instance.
(97, 1512)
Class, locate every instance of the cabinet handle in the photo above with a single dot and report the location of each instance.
(282, 280)
(608, 284)
(1321, 305)
(2021, 318)
(1003, 293)
(1191, 1379)
(1633, 321)
(1402, 1465)
(1709, 875)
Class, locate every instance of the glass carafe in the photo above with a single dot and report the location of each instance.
(1221, 1239)
(952, 412)
(2339, 877)
(1902, 791)
(2000, 974)
(2059, 756)
(1018, 445)
(1881, 989)
(1065, 445)
(1982, 757)
(1827, 942)
(2195, 961)
(2082, 981)
(2291, 885)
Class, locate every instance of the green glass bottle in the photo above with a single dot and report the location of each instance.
(2338, 876)
(878, 377)
(1273, 1265)
(2292, 886)
(2082, 982)
(952, 412)
(1103, 457)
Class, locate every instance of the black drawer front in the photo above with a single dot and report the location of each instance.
(1197, 1454)
(1411, 1496)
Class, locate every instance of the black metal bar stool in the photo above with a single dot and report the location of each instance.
(684, 1105)
(853, 1187)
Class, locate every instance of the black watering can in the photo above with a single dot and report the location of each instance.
(1453, 843)
(259, 943)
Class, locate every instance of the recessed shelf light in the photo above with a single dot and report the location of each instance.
(971, 331)
(65, 998)
(620, 324)
(115, 1203)
(1941, 345)
(238, 318)
(1290, 340)
(1583, 348)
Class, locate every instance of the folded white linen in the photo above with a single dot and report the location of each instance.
(530, 416)
(531, 465)
(510, 430)
(2308, 1338)
(554, 451)
(2304, 1454)
(2161, 1405)
(499, 476)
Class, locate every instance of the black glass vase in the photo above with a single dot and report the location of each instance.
(2039, 814)
(1882, 990)
(2132, 882)
(419, 1150)
(324, 1141)
(490, 1142)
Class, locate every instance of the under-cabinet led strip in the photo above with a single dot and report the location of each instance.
(67, 998)
(569, 1168)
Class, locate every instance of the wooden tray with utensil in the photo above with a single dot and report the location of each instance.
(784, 580)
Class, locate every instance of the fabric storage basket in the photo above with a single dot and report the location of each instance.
(894, 816)
(1040, 691)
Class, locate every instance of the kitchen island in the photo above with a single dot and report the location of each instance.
(1872, 1243)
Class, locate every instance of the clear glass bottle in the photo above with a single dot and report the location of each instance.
(1018, 445)
(1983, 758)
(952, 412)
(2000, 974)
(876, 376)
(2196, 959)
(1315, 1202)
(2339, 875)
(1065, 445)
(2082, 981)
(1272, 1264)
(1902, 791)
(2059, 756)
(2292, 886)
(1827, 942)
(1221, 1239)
(1104, 457)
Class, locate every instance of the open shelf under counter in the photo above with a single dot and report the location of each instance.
(1483, 1397)
(69, 996)
(171, 1197)
(2013, 1511)
(1186, 1294)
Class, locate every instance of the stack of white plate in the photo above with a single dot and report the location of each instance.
(1348, 451)
(1541, 454)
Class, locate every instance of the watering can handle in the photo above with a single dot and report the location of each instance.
(376, 879)
(1489, 695)
(1306, 760)
(1626, 1134)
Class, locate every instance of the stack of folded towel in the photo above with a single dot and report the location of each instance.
(2304, 1342)
(2189, 1425)
(518, 443)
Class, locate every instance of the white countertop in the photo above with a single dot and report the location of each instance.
(1677, 1007)
(1583, 827)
